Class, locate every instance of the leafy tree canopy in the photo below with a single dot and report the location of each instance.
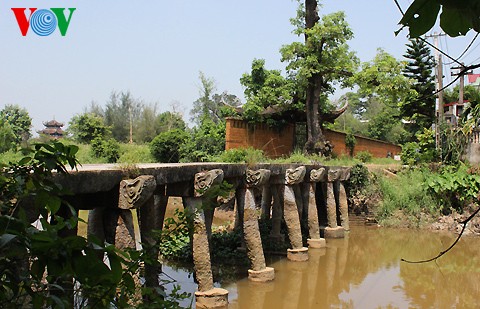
(264, 88)
(456, 17)
(87, 127)
(18, 120)
(324, 53)
(212, 104)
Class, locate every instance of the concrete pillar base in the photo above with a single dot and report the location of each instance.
(317, 243)
(298, 255)
(214, 298)
(264, 275)
(334, 232)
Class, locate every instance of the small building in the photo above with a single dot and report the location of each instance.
(452, 112)
(52, 129)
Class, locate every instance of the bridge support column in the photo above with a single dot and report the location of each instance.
(207, 295)
(277, 213)
(266, 201)
(342, 198)
(259, 271)
(293, 177)
(151, 216)
(332, 230)
(315, 241)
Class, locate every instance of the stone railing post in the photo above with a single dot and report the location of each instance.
(259, 271)
(266, 201)
(342, 199)
(291, 216)
(277, 213)
(207, 296)
(332, 230)
(315, 241)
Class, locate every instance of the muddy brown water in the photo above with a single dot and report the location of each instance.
(364, 271)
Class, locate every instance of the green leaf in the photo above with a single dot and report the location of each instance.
(454, 22)
(420, 17)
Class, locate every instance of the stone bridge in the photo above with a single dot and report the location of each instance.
(288, 191)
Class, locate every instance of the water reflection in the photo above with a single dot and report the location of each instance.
(364, 271)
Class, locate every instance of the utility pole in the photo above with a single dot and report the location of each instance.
(439, 75)
(461, 73)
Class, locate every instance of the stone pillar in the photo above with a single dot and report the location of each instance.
(315, 241)
(207, 296)
(133, 194)
(259, 271)
(238, 208)
(342, 197)
(266, 202)
(292, 220)
(151, 216)
(277, 214)
(95, 226)
(332, 230)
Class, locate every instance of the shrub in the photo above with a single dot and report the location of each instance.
(241, 155)
(133, 153)
(106, 148)
(359, 178)
(364, 156)
(422, 151)
(454, 186)
(350, 142)
(165, 147)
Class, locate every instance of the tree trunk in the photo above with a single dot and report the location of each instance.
(316, 142)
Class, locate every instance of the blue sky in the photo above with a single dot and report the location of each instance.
(155, 49)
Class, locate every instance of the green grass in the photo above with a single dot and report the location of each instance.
(408, 194)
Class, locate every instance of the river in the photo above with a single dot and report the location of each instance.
(364, 270)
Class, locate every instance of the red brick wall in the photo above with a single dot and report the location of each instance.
(378, 149)
(275, 143)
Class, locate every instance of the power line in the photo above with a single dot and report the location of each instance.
(466, 49)
(422, 39)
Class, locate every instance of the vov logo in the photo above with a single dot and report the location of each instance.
(43, 22)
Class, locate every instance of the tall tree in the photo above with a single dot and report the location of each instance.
(317, 64)
(211, 104)
(121, 114)
(264, 88)
(383, 83)
(18, 120)
(421, 107)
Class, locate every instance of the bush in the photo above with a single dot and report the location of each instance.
(133, 153)
(423, 151)
(241, 155)
(454, 186)
(165, 147)
(206, 140)
(359, 178)
(350, 142)
(106, 148)
(364, 156)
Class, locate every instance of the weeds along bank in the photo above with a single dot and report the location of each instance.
(431, 196)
